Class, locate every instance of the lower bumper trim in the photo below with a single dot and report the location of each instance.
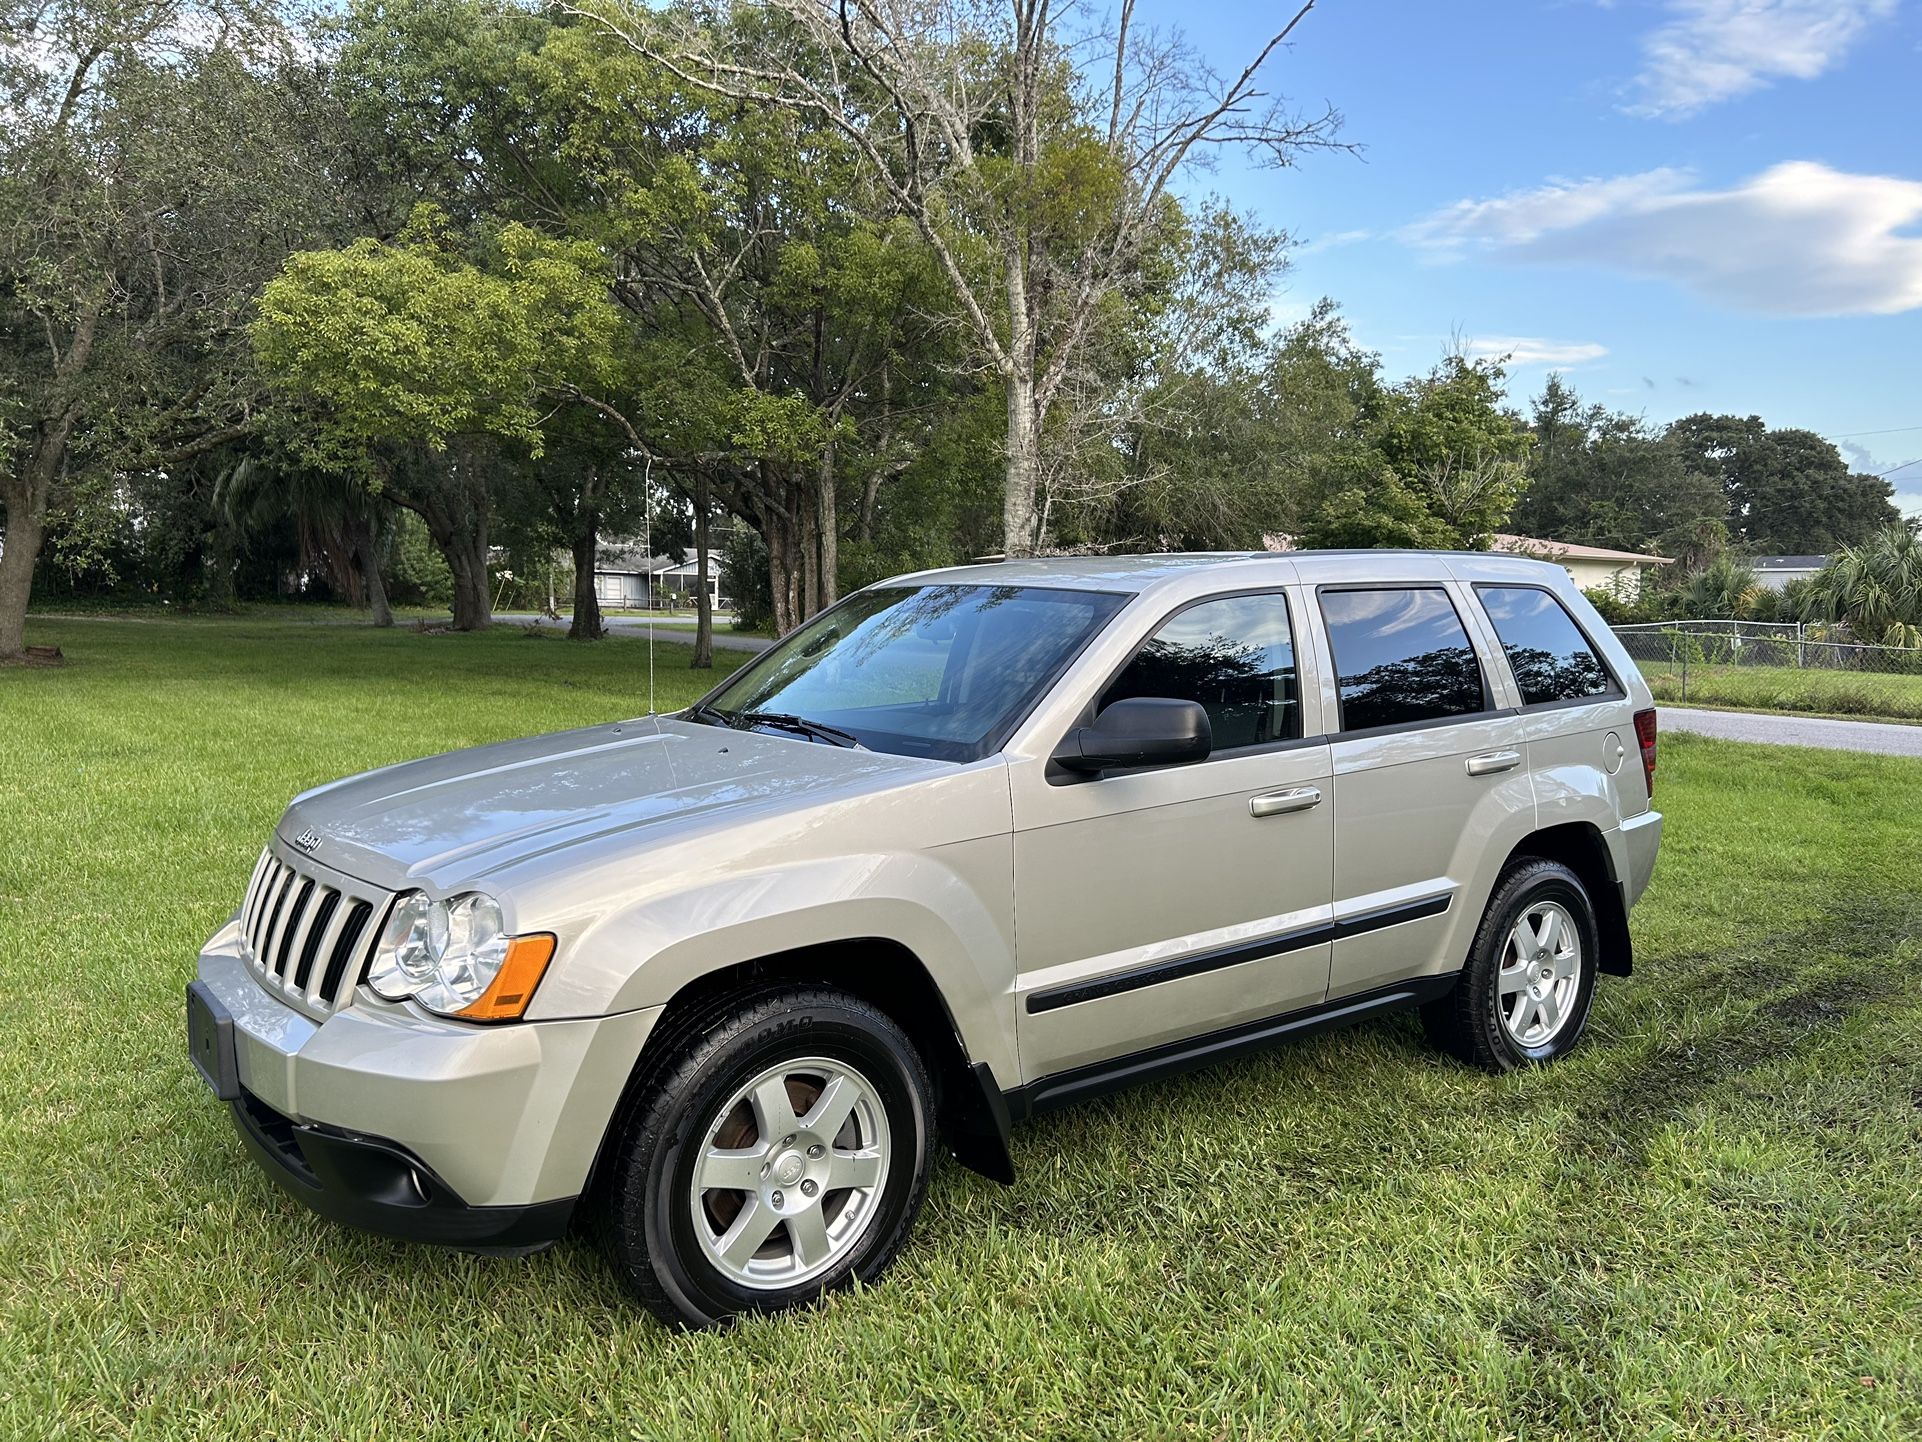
(380, 1186)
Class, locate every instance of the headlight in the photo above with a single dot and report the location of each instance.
(455, 957)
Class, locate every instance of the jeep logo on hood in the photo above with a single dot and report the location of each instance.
(308, 840)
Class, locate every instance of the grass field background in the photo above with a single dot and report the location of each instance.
(1821, 692)
(1705, 1224)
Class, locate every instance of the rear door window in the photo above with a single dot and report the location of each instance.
(1551, 658)
(1402, 657)
(1236, 657)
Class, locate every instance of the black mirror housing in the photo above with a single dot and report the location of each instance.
(1138, 731)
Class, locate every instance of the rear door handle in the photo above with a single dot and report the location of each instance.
(1491, 762)
(1279, 803)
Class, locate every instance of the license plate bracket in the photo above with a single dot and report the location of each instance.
(210, 1041)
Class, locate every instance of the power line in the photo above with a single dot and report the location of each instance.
(1903, 467)
(1891, 431)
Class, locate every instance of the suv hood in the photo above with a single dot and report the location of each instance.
(468, 812)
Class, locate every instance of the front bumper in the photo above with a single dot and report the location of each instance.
(378, 1185)
(381, 1117)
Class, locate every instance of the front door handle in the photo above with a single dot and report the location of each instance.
(1489, 763)
(1279, 803)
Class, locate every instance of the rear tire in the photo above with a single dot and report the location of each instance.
(780, 1150)
(1524, 995)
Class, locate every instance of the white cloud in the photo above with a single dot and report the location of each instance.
(1528, 350)
(1715, 50)
(1798, 239)
(1330, 242)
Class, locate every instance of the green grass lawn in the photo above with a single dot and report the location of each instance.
(1822, 692)
(1705, 1224)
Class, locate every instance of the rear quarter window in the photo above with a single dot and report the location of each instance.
(1549, 654)
(1402, 656)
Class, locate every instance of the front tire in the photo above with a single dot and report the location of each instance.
(1524, 996)
(780, 1152)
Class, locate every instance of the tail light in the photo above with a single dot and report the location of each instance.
(1645, 733)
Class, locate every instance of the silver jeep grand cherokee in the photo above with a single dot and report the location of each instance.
(970, 844)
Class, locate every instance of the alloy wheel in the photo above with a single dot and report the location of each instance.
(790, 1172)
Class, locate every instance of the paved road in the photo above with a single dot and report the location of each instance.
(681, 632)
(1878, 736)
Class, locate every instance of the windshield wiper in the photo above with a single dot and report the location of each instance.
(800, 725)
(712, 715)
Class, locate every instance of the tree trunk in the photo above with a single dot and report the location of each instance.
(827, 521)
(368, 555)
(25, 528)
(810, 556)
(703, 602)
(465, 550)
(1024, 468)
(779, 572)
(1024, 448)
(586, 625)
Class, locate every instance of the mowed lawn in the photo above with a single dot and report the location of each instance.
(1817, 690)
(1705, 1224)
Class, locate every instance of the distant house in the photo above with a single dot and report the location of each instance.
(1775, 572)
(1593, 568)
(1590, 567)
(627, 578)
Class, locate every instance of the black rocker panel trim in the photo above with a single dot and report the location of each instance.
(1099, 1078)
(1198, 962)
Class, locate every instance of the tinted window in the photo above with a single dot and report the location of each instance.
(1236, 657)
(936, 671)
(1401, 657)
(1550, 657)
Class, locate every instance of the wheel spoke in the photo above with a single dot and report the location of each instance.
(1522, 1014)
(1565, 964)
(1513, 978)
(750, 1229)
(1551, 932)
(854, 1169)
(808, 1230)
(1550, 1009)
(733, 1169)
(831, 1108)
(773, 1112)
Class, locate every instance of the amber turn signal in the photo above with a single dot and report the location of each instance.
(513, 985)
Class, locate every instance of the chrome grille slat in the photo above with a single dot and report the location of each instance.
(324, 949)
(312, 894)
(269, 873)
(270, 914)
(253, 889)
(277, 923)
(308, 939)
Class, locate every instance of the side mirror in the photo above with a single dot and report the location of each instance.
(1138, 731)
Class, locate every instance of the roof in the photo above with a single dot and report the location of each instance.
(1240, 568)
(631, 561)
(1789, 563)
(1570, 551)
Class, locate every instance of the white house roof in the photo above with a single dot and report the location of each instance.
(1569, 551)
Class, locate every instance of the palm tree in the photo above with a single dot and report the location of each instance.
(1723, 590)
(1875, 589)
(343, 528)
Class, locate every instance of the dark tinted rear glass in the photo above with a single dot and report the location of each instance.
(1547, 651)
(1401, 656)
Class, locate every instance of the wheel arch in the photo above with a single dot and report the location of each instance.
(971, 1113)
(1581, 847)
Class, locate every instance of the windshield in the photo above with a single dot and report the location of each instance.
(938, 671)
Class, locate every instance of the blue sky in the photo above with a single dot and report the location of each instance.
(1682, 204)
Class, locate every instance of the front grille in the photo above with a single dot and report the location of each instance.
(306, 940)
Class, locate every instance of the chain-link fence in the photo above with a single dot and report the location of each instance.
(1775, 666)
